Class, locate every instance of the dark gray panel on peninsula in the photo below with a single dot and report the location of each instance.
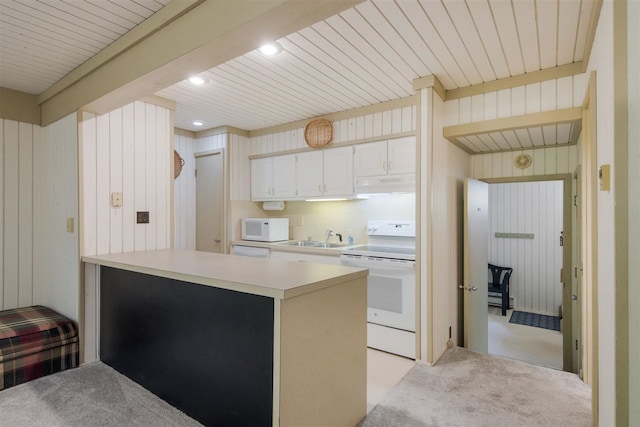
(205, 350)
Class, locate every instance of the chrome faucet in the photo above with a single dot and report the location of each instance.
(327, 235)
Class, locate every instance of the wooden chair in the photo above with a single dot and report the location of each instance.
(500, 284)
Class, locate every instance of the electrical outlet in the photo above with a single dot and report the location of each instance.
(142, 217)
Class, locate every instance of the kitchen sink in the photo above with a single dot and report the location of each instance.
(310, 244)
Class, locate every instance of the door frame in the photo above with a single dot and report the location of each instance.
(567, 180)
(225, 194)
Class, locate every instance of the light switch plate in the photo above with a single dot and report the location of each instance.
(116, 200)
(70, 225)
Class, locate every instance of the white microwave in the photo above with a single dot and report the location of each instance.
(265, 229)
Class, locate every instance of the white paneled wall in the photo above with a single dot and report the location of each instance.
(450, 165)
(240, 165)
(375, 125)
(536, 208)
(56, 258)
(545, 161)
(39, 261)
(184, 196)
(565, 92)
(128, 151)
(16, 232)
(211, 142)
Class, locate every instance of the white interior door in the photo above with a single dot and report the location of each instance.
(474, 288)
(209, 202)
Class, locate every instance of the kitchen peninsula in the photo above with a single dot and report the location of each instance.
(238, 341)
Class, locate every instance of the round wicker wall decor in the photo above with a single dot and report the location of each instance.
(178, 163)
(318, 133)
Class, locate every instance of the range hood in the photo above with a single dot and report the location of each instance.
(386, 184)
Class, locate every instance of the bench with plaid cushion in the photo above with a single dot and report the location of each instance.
(34, 342)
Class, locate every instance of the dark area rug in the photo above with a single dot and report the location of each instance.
(536, 320)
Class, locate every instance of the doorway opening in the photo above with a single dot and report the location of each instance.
(530, 232)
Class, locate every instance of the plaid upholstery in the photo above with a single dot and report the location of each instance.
(35, 341)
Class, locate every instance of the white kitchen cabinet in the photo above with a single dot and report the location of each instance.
(327, 173)
(301, 257)
(392, 157)
(309, 173)
(338, 172)
(401, 156)
(273, 178)
(371, 159)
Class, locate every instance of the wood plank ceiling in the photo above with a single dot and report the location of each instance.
(365, 55)
(41, 41)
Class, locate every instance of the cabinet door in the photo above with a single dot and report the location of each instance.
(284, 177)
(309, 174)
(402, 156)
(371, 159)
(338, 171)
(261, 181)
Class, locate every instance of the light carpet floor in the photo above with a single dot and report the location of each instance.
(91, 395)
(463, 389)
(470, 389)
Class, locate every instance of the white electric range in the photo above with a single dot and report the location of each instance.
(390, 257)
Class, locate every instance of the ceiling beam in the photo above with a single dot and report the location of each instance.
(544, 118)
(198, 37)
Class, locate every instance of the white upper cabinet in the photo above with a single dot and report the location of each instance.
(392, 157)
(273, 178)
(371, 159)
(325, 173)
(373, 167)
(401, 156)
(338, 172)
(309, 174)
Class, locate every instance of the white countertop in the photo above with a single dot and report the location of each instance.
(258, 276)
(279, 246)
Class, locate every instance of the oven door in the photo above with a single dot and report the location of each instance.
(391, 290)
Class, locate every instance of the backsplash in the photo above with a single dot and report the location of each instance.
(312, 219)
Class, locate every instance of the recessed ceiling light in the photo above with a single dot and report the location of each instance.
(270, 49)
(197, 123)
(196, 80)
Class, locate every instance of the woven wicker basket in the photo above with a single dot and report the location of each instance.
(318, 133)
(178, 163)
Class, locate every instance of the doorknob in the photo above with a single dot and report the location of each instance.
(470, 288)
(216, 240)
(574, 297)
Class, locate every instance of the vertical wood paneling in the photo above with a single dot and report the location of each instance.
(151, 175)
(548, 95)
(11, 214)
(115, 182)
(103, 217)
(184, 195)
(38, 185)
(138, 166)
(2, 169)
(529, 207)
(56, 183)
(140, 185)
(89, 180)
(450, 166)
(25, 212)
(546, 161)
(129, 166)
(163, 179)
